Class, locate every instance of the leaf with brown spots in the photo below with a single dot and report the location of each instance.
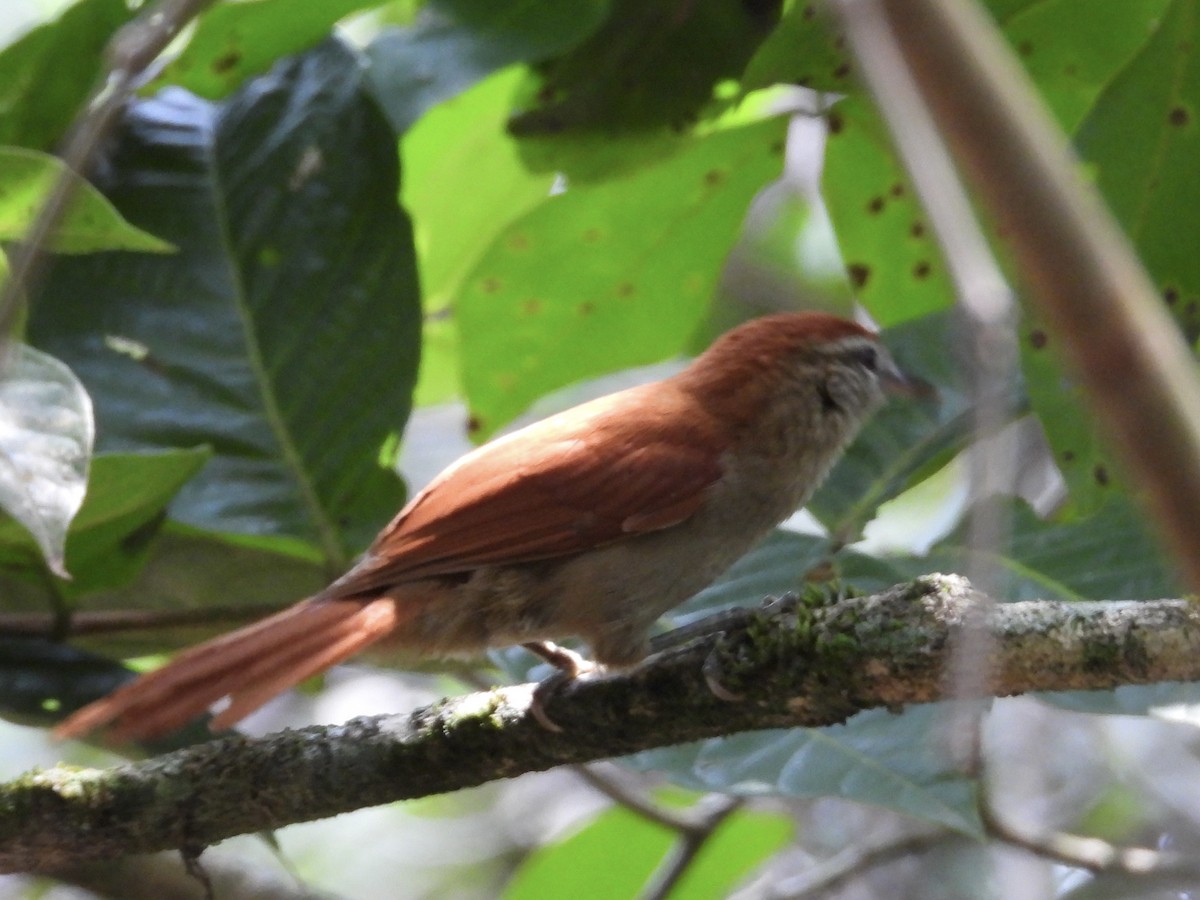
(874, 221)
(624, 271)
(234, 41)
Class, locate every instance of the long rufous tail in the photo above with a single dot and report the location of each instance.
(249, 666)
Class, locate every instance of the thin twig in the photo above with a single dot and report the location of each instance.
(635, 801)
(1093, 854)
(988, 317)
(851, 862)
(120, 621)
(197, 871)
(129, 56)
(694, 826)
(1127, 352)
(712, 811)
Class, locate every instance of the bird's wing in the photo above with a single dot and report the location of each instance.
(581, 479)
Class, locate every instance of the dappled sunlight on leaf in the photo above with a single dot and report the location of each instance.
(46, 434)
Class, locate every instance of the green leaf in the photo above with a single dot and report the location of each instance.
(46, 75)
(235, 41)
(1111, 555)
(285, 333)
(1080, 54)
(40, 680)
(1046, 560)
(1129, 699)
(607, 276)
(1141, 139)
(583, 157)
(455, 43)
(110, 537)
(217, 581)
(893, 761)
(464, 182)
(91, 222)
(1070, 428)
(615, 855)
(653, 64)
(889, 251)
(220, 574)
(803, 49)
(1116, 73)
(1073, 49)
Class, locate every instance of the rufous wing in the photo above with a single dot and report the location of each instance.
(588, 477)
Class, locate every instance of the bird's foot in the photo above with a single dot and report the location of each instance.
(569, 665)
(714, 674)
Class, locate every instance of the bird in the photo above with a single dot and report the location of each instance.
(591, 523)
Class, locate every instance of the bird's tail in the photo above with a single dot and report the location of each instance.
(249, 666)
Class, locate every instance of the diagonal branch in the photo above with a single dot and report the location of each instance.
(1126, 350)
(797, 663)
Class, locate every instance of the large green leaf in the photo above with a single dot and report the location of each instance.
(1045, 560)
(234, 41)
(47, 74)
(285, 332)
(455, 43)
(464, 183)
(890, 253)
(126, 501)
(38, 678)
(91, 222)
(803, 49)
(1074, 49)
(1061, 406)
(607, 276)
(41, 681)
(1111, 555)
(1141, 139)
(1071, 48)
(1080, 54)
(889, 760)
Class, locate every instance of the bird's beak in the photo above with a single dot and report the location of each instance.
(898, 383)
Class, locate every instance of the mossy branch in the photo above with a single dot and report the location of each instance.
(798, 663)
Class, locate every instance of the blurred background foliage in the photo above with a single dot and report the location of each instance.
(331, 244)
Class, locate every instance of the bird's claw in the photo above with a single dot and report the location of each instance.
(569, 665)
(714, 672)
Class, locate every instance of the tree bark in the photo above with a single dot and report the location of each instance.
(795, 662)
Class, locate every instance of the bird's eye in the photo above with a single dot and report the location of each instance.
(867, 357)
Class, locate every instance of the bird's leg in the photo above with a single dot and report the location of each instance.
(569, 665)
